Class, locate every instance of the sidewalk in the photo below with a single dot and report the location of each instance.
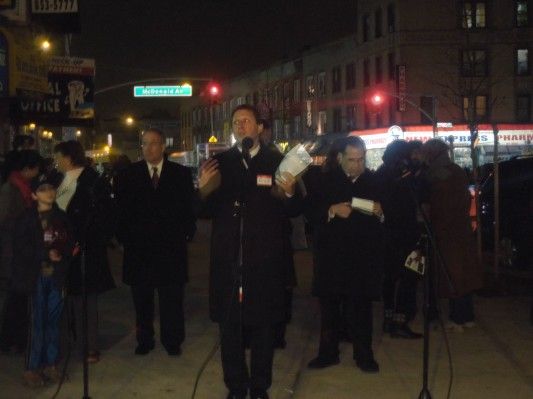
(492, 360)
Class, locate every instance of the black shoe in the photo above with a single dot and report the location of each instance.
(403, 331)
(174, 351)
(258, 395)
(143, 349)
(368, 365)
(323, 362)
(236, 395)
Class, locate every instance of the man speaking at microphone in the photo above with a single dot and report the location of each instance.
(249, 207)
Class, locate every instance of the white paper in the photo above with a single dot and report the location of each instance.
(363, 205)
(295, 162)
(416, 262)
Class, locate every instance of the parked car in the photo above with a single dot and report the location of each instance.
(516, 210)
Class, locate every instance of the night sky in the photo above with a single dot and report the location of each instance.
(137, 39)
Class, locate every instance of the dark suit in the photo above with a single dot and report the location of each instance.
(349, 269)
(265, 270)
(154, 225)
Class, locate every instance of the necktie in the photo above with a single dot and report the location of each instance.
(155, 177)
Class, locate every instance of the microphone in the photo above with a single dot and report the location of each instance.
(247, 143)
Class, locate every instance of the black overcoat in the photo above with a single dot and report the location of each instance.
(154, 224)
(350, 251)
(266, 270)
(91, 214)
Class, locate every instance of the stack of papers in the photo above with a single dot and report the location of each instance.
(363, 205)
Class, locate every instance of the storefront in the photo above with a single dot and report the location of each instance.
(513, 139)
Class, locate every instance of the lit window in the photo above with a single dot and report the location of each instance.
(522, 61)
(474, 14)
(522, 13)
(322, 84)
(479, 110)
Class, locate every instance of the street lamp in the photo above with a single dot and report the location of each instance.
(45, 45)
(129, 120)
(78, 133)
(32, 126)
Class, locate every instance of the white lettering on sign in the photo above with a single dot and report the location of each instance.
(54, 6)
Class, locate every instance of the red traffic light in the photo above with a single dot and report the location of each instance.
(214, 90)
(377, 99)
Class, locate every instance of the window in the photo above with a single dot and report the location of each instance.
(474, 63)
(276, 100)
(366, 27)
(366, 73)
(392, 111)
(379, 70)
(336, 79)
(297, 126)
(350, 76)
(296, 91)
(522, 17)
(474, 14)
(426, 104)
(367, 117)
(522, 61)
(310, 86)
(523, 108)
(378, 21)
(391, 18)
(350, 117)
(322, 84)
(391, 65)
(479, 110)
(322, 119)
(337, 120)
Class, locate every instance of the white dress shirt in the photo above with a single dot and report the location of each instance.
(67, 188)
(159, 168)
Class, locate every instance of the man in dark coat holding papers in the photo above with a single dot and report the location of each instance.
(349, 254)
(249, 271)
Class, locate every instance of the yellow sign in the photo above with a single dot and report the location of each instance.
(28, 70)
(213, 139)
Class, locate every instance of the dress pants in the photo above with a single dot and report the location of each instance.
(170, 315)
(236, 375)
(359, 317)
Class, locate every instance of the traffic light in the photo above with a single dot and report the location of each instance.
(214, 90)
(375, 102)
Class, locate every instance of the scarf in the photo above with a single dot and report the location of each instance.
(23, 186)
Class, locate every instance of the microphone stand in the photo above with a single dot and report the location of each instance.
(430, 247)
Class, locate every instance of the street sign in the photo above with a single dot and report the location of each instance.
(162, 91)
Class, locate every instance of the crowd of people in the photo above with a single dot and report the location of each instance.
(56, 224)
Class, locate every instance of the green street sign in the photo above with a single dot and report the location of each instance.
(162, 91)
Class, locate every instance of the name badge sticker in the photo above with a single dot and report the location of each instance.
(264, 180)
